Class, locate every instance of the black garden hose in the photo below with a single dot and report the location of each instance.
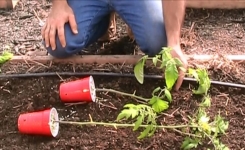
(49, 74)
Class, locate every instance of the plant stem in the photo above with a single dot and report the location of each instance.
(158, 60)
(151, 58)
(122, 93)
(124, 125)
(211, 139)
(188, 134)
(161, 93)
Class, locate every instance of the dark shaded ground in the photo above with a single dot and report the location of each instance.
(213, 32)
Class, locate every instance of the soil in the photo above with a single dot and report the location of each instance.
(204, 32)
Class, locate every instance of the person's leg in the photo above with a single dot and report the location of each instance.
(145, 18)
(92, 17)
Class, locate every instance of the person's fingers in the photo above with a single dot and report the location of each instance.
(182, 72)
(73, 24)
(46, 35)
(179, 80)
(177, 53)
(61, 35)
(52, 34)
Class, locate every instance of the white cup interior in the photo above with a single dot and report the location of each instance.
(92, 89)
(53, 122)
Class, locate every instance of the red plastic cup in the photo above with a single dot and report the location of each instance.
(43, 122)
(82, 90)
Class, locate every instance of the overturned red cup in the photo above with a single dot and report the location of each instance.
(43, 122)
(82, 90)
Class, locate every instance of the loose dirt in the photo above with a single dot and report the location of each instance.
(204, 32)
(26, 95)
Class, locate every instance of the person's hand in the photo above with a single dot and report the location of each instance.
(177, 53)
(60, 14)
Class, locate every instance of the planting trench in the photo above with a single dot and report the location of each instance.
(26, 95)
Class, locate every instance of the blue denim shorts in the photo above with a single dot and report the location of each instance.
(144, 17)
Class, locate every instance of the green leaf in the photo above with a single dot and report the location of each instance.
(162, 65)
(193, 72)
(6, 56)
(129, 106)
(139, 70)
(127, 113)
(168, 95)
(134, 113)
(206, 102)
(201, 113)
(189, 143)
(154, 61)
(167, 53)
(203, 79)
(221, 125)
(219, 145)
(159, 105)
(171, 74)
(153, 100)
(202, 89)
(166, 57)
(149, 119)
(152, 131)
(162, 51)
(177, 62)
(156, 90)
(202, 74)
(185, 143)
(124, 114)
(145, 132)
(138, 122)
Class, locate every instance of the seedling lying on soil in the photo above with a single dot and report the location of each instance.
(206, 129)
(144, 115)
(159, 103)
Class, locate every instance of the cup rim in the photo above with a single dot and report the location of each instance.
(92, 88)
(53, 122)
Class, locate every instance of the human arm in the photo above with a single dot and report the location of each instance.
(173, 13)
(59, 2)
(60, 14)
